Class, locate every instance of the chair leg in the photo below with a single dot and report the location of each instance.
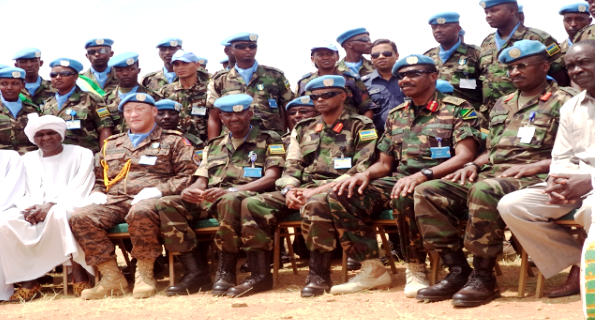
(170, 256)
(124, 253)
(276, 254)
(387, 253)
(523, 273)
(540, 282)
(344, 267)
(97, 278)
(65, 278)
(498, 269)
(435, 262)
(291, 254)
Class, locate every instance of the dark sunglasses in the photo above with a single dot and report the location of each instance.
(412, 74)
(100, 51)
(387, 54)
(243, 46)
(326, 95)
(519, 66)
(62, 74)
(364, 39)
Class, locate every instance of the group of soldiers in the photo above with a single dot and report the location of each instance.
(355, 138)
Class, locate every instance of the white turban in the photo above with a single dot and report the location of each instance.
(37, 123)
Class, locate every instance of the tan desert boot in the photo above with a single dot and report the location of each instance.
(145, 285)
(372, 276)
(113, 282)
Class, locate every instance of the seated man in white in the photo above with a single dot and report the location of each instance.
(35, 233)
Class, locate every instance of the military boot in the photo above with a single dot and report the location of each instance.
(113, 282)
(318, 280)
(196, 277)
(417, 279)
(226, 273)
(457, 277)
(260, 278)
(481, 287)
(145, 285)
(372, 276)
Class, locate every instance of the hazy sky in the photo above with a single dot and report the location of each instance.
(287, 29)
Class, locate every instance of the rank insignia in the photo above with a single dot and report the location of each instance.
(552, 49)
(318, 127)
(432, 106)
(366, 135)
(338, 127)
(546, 96)
(103, 112)
(468, 114)
(277, 149)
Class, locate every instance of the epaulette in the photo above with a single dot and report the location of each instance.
(401, 106)
(115, 136)
(542, 34)
(488, 39)
(272, 133)
(210, 142)
(363, 118)
(306, 121)
(509, 97)
(427, 53)
(176, 132)
(352, 74)
(150, 74)
(287, 134)
(306, 76)
(194, 139)
(454, 100)
(273, 68)
(571, 91)
(219, 74)
(366, 77)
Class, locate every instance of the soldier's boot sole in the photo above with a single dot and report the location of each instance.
(188, 291)
(476, 303)
(101, 292)
(143, 290)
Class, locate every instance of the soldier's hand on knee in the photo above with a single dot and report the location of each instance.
(468, 173)
(193, 195)
(521, 171)
(349, 184)
(407, 185)
(213, 194)
(293, 199)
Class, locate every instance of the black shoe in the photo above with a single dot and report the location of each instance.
(482, 286)
(456, 279)
(195, 279)
(226, 273)
(260, 278)
(318, 280)
(353, 264)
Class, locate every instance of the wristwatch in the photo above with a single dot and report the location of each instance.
(233, 189)
(285, 190)
(473, 164)
(428, 173)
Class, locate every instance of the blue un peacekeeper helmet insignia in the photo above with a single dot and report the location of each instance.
(412, 60)
(326, 82)
(27, 53)
(490, 3)
(234, 103)
(242, 36)
(123, 60)
(351, 33)
(444, 17)
(169, 42)
(136, 97)
(167, 104)
(12, 73)
(67, 62)
(520, 50)
(202, 61)
(184, 56)
(324, 45)
(444, 86)
(300, 101)
(575, 8)
(99, 42)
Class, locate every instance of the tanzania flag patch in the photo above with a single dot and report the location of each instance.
(366, 135)
(468, 114)
(277, 149)
(103, 112)
(552, 49)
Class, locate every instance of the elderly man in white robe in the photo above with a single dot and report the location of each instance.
(35, 233)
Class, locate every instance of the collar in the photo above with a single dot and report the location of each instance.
(501, 42)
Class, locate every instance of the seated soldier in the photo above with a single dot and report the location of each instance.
(133, 170)
(168, 117)
(236, 165)
(35, 234)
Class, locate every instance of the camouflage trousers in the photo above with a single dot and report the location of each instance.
(441, 205)
(90, 224)
(177, 216)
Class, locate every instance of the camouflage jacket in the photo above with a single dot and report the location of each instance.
(366, 68)
(155, 80)
(504, 145)
(90, 111)
(112, 100)
(44, 92)
(269, 88)
(585, 33)
(463, 63)
(110, 84)
(224, 166)
(12, 130)
(194, 115)
(408, 137)
(171, 172)
(314, 147)
(358, 100)
(494, 76)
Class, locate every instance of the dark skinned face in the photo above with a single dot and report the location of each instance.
(61, 82)
(165, 53)
(127, 76)
(168, 119)
(447, 34)
(236, 122)
(11, 88)
(299, 113)
(325, 58)
(48, 140)
(528, 73)
(246, 55)
(31, 66)
(359, 44)
(580, 62)
(99, 60)
(499, 16)
(414, 86)
(573, 22)
(330, 104)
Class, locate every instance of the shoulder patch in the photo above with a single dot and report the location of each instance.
(552, 49)
(361, 118)
(454, 100)
(272, 68)
(367, 135)
(197, 157)
(103, 112)
(272, 134)
(399, 107)
(115, 136)
(219, 74)
(276, 149)
(571, 91)
(351, 74)
(468, 114)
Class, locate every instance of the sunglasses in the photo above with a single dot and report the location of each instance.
(62, 74)
(387, 54)
(364, 39)
(100, 51)
(412, 74)
(520, 66)
(326, 95)
(243, 46)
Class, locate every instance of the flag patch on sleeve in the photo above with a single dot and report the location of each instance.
(366, 135)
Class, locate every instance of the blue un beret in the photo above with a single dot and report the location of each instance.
(326, 82)
(462, 33)
(184, 56)
(2, 66)
(242, 36)
(202, 60)
(444, 87)
(167, 104)
(521, 9)
(520, 50)
(136, 97)
(300, 101)
(123, 60)
(66, 62)
(444, 17)
(99, 42)
(12, 73)
(350, 33)
(233, 103)
(412, 60)
(27, 53)
(169, 42)
(224, 60)
(490, 3)
(325, 45)
(225, 42)
(575, 8)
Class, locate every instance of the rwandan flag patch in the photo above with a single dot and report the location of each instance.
(552, 49)
(103, 112)
(366, 135)
(468, 114)
(277, 149)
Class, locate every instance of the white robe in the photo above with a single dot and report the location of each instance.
(29, 251)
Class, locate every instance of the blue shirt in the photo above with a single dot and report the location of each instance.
(137, 138)
(500, 42)
(385, 94)
(61, 99)
(354, 66)
(122, 95)
(247, 73)
(170, 76)
(31, 87)
(445, 54)
(101, 77)
(569, 42)
(13, 106)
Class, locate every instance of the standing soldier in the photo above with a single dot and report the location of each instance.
(587, 32)
(37, 89)
(576, 18)
(99, 78)
(356, 43)
(168, 117)
(88, 121)
(156, 80)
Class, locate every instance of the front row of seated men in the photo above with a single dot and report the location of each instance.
(430, 167)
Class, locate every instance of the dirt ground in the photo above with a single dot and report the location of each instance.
(285, 303)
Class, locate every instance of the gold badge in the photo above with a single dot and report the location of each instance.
(482, 4)
(238, 108)
(140, 97)
(253, 37)
(173, 43)
(178, 107)
(328, 82)
(65, 63)
(16, 74)
(305, 99)
(582, 8)
(201, 61)
(99, 42)
(130, 61)
(514, 53)
(37, 54)
(441, 21)
(412, 60)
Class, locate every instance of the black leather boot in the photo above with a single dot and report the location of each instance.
(318, 280)
(260, 278)
(195, 279)
(226, 273)
(457, 277)
(353, 264)
(482, 286)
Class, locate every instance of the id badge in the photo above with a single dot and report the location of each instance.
(526, 134)
(73, 124)
(342, 163)
(199, 111)
(252, 172)
(468, 84)
(273, 104)
(440, 152)
(147, 160)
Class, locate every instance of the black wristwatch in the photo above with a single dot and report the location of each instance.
(428, 173)
(285, 190)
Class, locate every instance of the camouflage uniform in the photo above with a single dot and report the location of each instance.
(110, 84)
(564, 46)
(494, 76)
(224, 168)
(309, 164)
(269, 88)
(92, 113)
(155, 80)
(112, 100)
(441, 204)
(366, 68)
(44, 92)
(358, 100)
(12, 130)
(171, 173)
(463, 63)
(585, 33)
(191, 98)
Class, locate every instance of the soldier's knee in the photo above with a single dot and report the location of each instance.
(253, 204)
(479, 187)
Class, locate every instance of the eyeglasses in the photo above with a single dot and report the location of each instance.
(100, 51)
(364, 39)
(62, 74)
(519, 66)
(326, 95)
(387, 54)
(412, 74)
(243, 46)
